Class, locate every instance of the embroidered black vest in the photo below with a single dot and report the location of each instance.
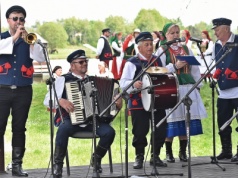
(16, 68)
(106, 51)
(228, 66)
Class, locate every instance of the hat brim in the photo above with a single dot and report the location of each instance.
(215, 26)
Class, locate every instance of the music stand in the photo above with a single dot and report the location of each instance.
(186, 97)
(124, 94)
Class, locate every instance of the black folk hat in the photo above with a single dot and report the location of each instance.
(15, 8)
(106, 30)
(220, 21)
(143, 36)
(79, 54)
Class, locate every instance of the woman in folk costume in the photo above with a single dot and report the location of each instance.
(187, 76)
(129, 48)
(206, 48)
(186, 35)
(156, 39)
(116, 44)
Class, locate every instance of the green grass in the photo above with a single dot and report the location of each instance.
(64, 52)
(38, 136)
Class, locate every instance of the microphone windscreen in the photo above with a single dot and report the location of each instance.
(183, 39)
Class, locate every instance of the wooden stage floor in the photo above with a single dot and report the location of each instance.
(205, 170)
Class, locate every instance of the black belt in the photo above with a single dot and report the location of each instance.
(13, 87)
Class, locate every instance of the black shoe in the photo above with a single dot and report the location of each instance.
(98, 163)
(169, 152)
(170, 158)
(17, 171)
(183, 156)
(234, 158)
(138, 164)
(224, 155)
(158, 162)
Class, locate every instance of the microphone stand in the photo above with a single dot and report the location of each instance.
(125, 96)
(212, 86)
(186, 100)
(50, 82)
(154, 169)
(93, 96)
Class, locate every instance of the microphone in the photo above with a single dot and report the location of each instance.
(195, 39)
(176, 40)
(232, 45)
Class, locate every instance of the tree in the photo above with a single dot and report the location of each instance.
(149, 20)
(54, 33)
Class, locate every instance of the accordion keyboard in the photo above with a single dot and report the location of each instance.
(75, 96)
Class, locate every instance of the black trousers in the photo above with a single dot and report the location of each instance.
(141, 121)
(17, 102)
(225, 110)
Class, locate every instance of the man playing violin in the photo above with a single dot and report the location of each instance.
(16, 72)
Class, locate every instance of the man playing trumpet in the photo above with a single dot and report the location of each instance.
(16, 71)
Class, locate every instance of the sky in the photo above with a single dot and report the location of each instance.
(189, 11)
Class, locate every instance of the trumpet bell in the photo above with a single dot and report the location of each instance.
(31, 38)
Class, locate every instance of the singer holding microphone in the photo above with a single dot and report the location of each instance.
(226, 75)
(187, 76)
(16, 72)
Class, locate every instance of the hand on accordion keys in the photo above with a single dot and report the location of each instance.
(67, 105)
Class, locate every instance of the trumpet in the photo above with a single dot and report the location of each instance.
(30, 38)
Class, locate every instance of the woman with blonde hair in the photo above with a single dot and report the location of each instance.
(187, 76)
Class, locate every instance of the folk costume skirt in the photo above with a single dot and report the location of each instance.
(176, 122)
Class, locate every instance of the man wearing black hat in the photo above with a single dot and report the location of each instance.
(140, 117)
(227, 78)
(104, 51)
(78, 65)
(16, 72)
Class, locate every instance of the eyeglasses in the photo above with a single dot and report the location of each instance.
(81, 62)
(22, 19)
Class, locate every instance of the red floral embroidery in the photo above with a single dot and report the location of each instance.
(8, 65)
(27, 72)
(231, 74)
(234, 75)
(1, 69)
(4, 68)
(23, 68)
(134, 102)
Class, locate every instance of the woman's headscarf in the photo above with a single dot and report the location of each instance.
(165, 30)
(115, 38)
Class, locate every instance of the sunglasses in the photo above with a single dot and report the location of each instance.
(81, 62)
(22, 19)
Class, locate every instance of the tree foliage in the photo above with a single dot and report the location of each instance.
(76, 31)
(54, 33)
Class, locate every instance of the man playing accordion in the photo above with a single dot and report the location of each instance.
(78, 64)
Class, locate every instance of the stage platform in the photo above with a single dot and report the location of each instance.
(206, 170)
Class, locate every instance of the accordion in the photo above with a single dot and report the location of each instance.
(79, 93)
